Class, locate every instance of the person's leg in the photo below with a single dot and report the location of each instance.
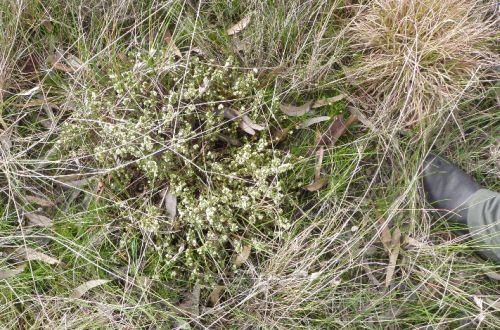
(455, 193)
(483, 218)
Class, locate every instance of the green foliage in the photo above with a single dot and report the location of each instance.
(156, 127)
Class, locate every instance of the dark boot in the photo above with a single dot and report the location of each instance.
(461, 199)
(447, 187)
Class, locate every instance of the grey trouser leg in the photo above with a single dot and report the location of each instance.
(483, 218)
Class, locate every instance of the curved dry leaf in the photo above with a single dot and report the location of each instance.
(39, 201)
(337, 129)
(74, 62)
(240, 26)
(80, 290)
(29, 92)
(32, 254)
(246, 123)
(362, 118)
(170, 202)
(393, 257)
(317, 184)
(247, 128)
(38, 220)
(243, 256)
(215, 295)
(167, 37)
(204, 86)
(231, 113)
(8, 273)
(493, 275)
(319, 163)
(385, 235)
(315, 120)
(250, 123)
(330, 100)
(296, 111)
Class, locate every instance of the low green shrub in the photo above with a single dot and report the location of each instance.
(155, 128)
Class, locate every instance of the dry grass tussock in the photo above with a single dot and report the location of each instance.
(414, 59)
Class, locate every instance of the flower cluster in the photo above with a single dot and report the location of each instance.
(155, 123)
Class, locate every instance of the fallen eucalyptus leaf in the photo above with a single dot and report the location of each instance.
(319, 163)
(74, 62)
(247, 128)
(385, 235)
(215, 295)
(315, 120)
(170, 202)
(243, 256)
(39, 201)
(250, 123)
(231, 113)
(362, 119)
(296, 111)
(38, 220)
(29, 92)
(204, 86)
(80, 290)
(393, 257)
(246, 123)
(8, 273)
(32, 254)
(167, 37)
(240, 26)
(493, 275)
(330, 100)
(337, 129)
(191, 306)
(317, 184)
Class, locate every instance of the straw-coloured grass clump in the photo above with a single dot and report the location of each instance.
(417, 57)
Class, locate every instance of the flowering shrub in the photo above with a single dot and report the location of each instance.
(189, 132)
